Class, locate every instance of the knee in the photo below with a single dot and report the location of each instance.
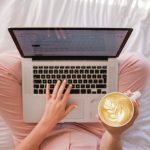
(135, 64)
(10, 65)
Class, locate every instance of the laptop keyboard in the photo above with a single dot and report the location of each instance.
(84, 79)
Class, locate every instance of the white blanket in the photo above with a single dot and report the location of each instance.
(85, 13)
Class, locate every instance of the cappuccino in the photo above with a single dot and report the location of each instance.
(116, 109)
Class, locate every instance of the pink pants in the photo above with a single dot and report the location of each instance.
(133, 74)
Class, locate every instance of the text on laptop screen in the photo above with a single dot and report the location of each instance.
(70, 42)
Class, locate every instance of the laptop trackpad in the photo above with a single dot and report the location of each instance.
(77, 113)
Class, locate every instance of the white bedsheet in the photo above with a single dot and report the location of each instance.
(86, 13)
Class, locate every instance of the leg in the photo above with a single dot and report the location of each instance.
(10, 95)
(133, 75)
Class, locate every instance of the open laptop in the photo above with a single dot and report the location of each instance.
(86, 57)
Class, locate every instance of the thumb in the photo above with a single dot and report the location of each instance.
(70, 108)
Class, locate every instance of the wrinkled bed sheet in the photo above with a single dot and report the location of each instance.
(85, 13)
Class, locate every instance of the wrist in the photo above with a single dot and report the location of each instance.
(46, 124)
(116, 136)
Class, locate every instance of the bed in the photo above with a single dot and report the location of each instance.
(85, 13)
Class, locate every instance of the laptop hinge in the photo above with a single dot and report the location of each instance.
(68, 58)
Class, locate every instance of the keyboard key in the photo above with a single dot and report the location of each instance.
(84, 81)
(86, 71)
(93, 86)
(45, 71)
(83, 76)
(74, 81)
(40, 91)
(45, 67)
(82, 67)
(36, 86)
(51, 86)
(93, 67)
(35, 67)
(61, 67)
(88, 91)
(83, 91)
(96, 71)
(90, 81)
(77, 67)
(50, 71)
(81, 71)
(98, 76)
(87, 86)
(77, 86)
(40, 71)
(55, 71)
(56, 67)
(53, 76)
(91, 71)
(44, 81)
(78, 76)
(48, 76)
(37, 81)
(61, 71)
(58, 76)
(88, 76)
(70, 71)
(100, 85)
(65, 71)
(79, 81)
(35, 91)
(94, 76)
(54, 81)
(103, 92)
(34, 71)
(43, 76)
(73, 76)
(63, 76)
(98, 91)
(100, 81)
(75, 91)
(49, 81)
(95, 81)
(42, 86)
(36, 76)
(103, 71)
(82, 86)
(68, 76)
(70, 81)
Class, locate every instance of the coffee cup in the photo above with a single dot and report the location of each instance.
(116, 109)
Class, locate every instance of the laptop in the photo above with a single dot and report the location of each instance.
(86, 57)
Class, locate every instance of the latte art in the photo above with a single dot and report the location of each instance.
(116, 109)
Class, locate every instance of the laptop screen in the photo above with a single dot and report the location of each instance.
(70, 41)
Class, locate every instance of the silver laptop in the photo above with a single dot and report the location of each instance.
(86, 57)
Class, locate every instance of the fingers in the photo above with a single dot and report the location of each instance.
(61, 89)
(70, 108)
(67, 93)
(129, 93)
(56, 88)
(136, 112)
(47, 91)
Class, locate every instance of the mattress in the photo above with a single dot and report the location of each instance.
(85, 13)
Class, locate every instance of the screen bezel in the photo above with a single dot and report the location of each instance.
(11, 31)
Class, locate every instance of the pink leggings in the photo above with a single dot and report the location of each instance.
(133, 74)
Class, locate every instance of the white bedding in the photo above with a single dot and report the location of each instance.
(93, 13)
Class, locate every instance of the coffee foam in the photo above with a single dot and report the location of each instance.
(116, 109)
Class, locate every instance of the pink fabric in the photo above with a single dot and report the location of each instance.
(133, 73)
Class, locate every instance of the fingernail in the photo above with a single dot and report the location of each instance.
(75, 106)
(70, 85)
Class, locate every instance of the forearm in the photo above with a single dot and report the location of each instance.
(110, 142)
(35, 138)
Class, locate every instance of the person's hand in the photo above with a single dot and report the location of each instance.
(56, 109)
(117, 131)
